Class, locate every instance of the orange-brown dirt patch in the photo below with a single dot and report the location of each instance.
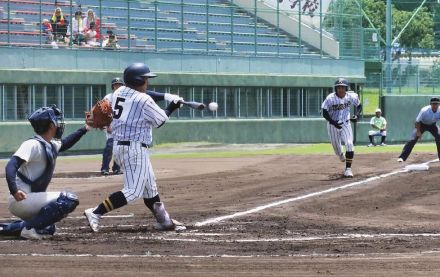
(387, 227)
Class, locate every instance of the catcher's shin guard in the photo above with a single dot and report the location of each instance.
(54, 211)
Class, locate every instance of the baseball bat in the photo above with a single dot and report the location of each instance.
(194, 105)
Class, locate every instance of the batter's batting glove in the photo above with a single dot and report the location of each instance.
(338, 125)
(354, 118)
(173, 105)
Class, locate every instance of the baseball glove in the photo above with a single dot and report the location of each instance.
(100, 115)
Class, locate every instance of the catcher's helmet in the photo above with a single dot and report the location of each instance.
(135, 74)
(117, 80)
(41, 119)
(341, 82)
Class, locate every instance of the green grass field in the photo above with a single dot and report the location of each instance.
(210, 151)
(370, 101)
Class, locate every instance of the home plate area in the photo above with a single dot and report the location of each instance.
(279, 208)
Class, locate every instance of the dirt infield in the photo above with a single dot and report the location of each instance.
(385, 226)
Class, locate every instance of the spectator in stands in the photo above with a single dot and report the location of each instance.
(91, 18)
(47, 31)
(76, 32)
(111, 42)
(91, 36)
(59, 24)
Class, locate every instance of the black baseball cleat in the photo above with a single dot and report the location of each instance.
(117, 172)
(104, 172)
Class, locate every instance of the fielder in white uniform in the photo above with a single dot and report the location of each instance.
(336, 110)
(29, 172)
(135, 114)
(108, 149)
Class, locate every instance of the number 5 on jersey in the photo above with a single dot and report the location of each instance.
(118, 108)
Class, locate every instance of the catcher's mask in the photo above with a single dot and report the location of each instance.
(136, 74)
(43, 117)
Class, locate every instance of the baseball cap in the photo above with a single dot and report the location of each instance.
(378, 110)
(435, 100)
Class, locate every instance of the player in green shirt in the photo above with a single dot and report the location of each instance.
(379, 125)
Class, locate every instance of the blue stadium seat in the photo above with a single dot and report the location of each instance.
(164, 21)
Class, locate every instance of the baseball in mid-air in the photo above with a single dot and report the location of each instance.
(212, 106)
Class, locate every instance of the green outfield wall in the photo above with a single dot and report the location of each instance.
(400, 112)
(219, 131)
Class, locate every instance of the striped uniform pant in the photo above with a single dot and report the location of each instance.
(339, 137)
(139, 179)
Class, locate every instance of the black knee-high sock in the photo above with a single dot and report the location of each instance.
(371, 139)
(383, 139)
(149, 202)
(114, 201)
(349, 158)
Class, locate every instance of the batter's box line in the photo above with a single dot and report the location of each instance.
(210, 240)
(302, 197)
(76, 217)
(374, 255)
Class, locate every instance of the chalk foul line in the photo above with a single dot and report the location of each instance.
(302, 197)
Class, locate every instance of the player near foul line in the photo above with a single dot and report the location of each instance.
(336, 110)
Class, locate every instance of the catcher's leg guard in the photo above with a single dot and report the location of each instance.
(11, 229)
(54, 211)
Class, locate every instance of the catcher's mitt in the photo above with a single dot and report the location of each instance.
(100, 115)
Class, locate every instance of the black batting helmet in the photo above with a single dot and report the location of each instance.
(135, 74)
(117, 80)
(341, 82)
(41, 119)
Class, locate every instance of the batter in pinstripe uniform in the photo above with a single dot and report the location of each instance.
(336, 110)
(135, 113)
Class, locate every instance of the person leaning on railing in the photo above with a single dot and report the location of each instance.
(111, 42)
(47, 31)
(59, 24)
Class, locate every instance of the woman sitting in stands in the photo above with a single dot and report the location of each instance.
(91, 36)
(59, 25)
(91, 18)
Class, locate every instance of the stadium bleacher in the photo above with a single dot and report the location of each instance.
(158, 26)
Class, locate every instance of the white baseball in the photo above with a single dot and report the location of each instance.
(212, 106)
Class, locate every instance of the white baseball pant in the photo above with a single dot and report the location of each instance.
(339, 137)
(139, 179)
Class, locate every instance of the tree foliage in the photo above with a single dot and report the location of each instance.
(418, 34)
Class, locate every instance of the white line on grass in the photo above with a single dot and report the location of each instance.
(302, 197)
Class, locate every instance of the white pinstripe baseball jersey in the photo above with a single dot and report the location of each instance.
(134, 116)
(339, 108)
